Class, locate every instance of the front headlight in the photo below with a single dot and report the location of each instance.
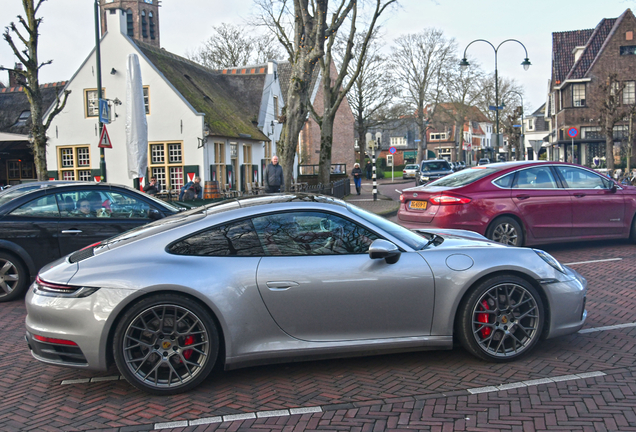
(424, 178)
(550, 260)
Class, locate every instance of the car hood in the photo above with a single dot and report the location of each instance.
(454, 238)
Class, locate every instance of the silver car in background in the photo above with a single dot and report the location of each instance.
(290, 277)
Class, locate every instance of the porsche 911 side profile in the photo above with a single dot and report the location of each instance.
(289, 277)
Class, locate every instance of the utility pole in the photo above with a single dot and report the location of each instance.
(102, 160)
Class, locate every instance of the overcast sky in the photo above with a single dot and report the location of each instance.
(67, 32)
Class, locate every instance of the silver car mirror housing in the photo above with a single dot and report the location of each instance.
(384, 249)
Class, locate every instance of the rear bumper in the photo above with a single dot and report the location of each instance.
(445, 216)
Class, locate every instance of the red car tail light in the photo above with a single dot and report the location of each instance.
(401, 198)
(448, 200)
(43, 287)
(53, 340)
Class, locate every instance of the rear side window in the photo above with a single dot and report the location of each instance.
(233, 239)
(45, 206)
(535, 178)
(505, 181)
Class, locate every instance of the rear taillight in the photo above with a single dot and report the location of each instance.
(448, 200)
(401, 198)
(50, 289)
(54, 340)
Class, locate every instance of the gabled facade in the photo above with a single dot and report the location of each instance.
(581, 61)
(536, 129)
(196, 123)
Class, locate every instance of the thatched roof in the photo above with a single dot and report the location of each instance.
(13, 102)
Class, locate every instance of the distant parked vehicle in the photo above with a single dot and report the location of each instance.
(432, 170)
(483, 161)
(410, 171)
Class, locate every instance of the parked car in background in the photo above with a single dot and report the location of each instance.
(243, 282)
(410, 171)
(41, 222)
(483, 161)
(525, 203)
(431, 170)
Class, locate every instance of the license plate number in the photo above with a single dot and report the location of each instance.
(420, 205)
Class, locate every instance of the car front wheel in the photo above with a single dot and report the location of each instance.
(13, 278)
(166, 344)
(501, 319)
(506, 230)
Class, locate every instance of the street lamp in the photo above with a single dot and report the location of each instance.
(523, 144)
(526, 64)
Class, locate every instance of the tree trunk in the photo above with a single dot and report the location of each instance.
(609, 145)
(326, 142)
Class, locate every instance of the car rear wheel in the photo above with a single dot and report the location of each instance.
(632, 233)
(506, 230)
(166, 344)
(13, 278)
(501, 319)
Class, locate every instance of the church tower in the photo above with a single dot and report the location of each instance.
(142, 18)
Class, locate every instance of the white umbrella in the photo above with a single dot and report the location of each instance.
(136, 125)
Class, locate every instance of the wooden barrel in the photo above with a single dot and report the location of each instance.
(211, 190)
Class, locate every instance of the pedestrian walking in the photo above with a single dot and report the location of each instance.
(369, 170)
(357, 176)
(274, 176)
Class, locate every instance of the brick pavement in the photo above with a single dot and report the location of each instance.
(425, 391)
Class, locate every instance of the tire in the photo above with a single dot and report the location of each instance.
(632, 232)
(154, 356)
(14, 279)
(506, 230)
(501, 319)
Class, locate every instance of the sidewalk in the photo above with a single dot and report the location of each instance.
(383, 206)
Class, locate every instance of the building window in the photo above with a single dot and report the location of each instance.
(91, 102)
(144, 24)
(591, 132)
(628, 50)
(23, 118)
(578, 95)
(275, 106)
(438, 136)
(166, 163)
(147, 99)
(530, 124)
(620, 133)
(398, 141)
(629, 93)
(74, 163)
(152, 25)
(130, 27)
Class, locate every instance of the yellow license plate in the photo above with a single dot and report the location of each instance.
(420, 205)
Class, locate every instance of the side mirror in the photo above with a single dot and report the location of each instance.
(384, 249)
(154, 214)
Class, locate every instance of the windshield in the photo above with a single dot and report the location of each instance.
(410, 167)
(414, 240)
(436, 166)
(463, 178)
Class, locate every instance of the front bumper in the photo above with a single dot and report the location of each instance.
(567, 301)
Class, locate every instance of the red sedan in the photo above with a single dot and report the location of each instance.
(525, 203)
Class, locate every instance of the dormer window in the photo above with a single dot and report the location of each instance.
(23, 118)
(144, 24)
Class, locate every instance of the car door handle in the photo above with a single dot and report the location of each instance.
(72, 231)
(580, 195)
(281, 285)
(522, 197)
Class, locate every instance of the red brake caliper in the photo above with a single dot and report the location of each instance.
(483, 318)
(189, 340)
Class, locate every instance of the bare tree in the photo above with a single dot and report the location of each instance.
(462, 88)
(606, 96)
(232, 45)
(333, 79)
(513, 133)
(372, 90)
(28, 56)
(419, 62)
(507, 89)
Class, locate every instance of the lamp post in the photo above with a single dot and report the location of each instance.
(526, 64)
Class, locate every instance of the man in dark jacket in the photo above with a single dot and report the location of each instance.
(191, 190)
(153, 187)
(274, 176)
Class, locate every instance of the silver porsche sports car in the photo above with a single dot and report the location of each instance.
(289, 277)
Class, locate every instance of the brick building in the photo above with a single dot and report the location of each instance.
(582, 60)
(142, 18)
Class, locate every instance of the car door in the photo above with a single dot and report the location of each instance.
(111, 212)
(596, 208)
(545, 207)
(319, 284)
(33, 225)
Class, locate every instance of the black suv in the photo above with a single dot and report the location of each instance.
(432, 170)
(41, 222)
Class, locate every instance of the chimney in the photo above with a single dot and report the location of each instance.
(15, 80)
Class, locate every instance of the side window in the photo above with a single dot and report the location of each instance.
(235, 239)
(535, 178)
(40, 207)
(99, 203)
(123, 206)
(505, 181)
(311, 233)
(576, 178)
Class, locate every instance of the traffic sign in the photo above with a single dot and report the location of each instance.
(104, 139)
(104, 111)
(392, 150)
(573, 132)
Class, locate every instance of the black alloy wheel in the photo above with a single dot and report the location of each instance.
(13, 278)
(506, 230)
